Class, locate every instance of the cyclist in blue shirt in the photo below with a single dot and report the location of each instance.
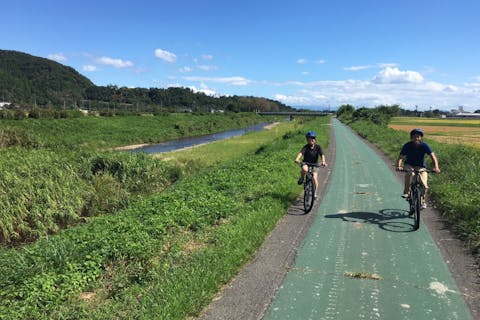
(311, 152)
(413, 154)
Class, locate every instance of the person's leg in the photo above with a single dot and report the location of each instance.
(424, 181)
(315, 180)
(408, 180)
(303, 172)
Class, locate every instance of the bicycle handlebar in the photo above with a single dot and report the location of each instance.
(310, 164)
(417, 171)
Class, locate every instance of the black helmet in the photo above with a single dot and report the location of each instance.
(416, 131)
(311, 134)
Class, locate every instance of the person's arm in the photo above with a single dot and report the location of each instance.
(324, 163)
(436, 168)
(299, 156)
(400, 160)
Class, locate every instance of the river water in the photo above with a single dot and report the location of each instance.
(193, 141)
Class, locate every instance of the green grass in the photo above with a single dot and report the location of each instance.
(104, 132)
(235, 147)
(415, 121)
(53, 175)
(164, 256)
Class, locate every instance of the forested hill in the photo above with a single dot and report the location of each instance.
(26, 79)
(29, 81)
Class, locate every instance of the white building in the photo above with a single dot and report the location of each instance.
(4, 104)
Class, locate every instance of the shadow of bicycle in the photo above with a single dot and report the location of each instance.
(386, 219)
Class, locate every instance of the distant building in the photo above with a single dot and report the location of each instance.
(4, 104)
(460, 113)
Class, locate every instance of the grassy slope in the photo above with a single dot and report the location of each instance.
(47, 183)
(102, 132)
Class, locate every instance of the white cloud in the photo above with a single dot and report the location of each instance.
(370, 93)
(394, 75)
(89, 68)
(235, 81)
(356, 68)
(117, 63)
(185, 69)
(204, 89)
(207, 57)
(59, 57)
(165, 55)
(292, 99)
(384, 65)
(207, 68)
(305, 61)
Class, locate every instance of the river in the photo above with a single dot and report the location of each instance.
(193, 141)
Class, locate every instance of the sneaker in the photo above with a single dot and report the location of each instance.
(405, 195)
(300, 181)
(424, 206)
(315, 196)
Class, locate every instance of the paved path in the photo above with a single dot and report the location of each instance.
(360, 258)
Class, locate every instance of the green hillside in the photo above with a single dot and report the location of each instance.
(26, 79)
(29, 81)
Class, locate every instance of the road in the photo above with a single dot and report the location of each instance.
(360, 258)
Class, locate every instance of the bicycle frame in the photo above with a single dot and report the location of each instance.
(308, 187)
(415, 196)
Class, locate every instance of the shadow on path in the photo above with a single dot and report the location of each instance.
(386, 219)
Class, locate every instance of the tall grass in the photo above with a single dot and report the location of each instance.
(48, 183)
(104, 132)
(42, 190)
(163, 257)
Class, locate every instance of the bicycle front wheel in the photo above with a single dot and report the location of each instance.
(416, 203)
(308, 195)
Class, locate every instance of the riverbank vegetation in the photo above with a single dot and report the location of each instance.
(53, 173)
(455, 190)
(162, 255)
(92, 132)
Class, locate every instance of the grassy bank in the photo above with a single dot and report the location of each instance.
(165, 256)
(104, 132)
(53, 173)
(455, 191)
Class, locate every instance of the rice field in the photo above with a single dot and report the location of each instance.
(451, 131)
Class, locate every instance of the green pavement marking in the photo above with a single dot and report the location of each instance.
(361, 258)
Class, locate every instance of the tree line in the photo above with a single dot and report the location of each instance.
(31, 82)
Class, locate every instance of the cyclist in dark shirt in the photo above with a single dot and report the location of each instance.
(311, 152)
(413, 154)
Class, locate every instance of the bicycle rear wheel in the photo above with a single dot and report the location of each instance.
(308, 195)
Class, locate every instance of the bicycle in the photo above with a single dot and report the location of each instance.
(415, 195)
(309, 187)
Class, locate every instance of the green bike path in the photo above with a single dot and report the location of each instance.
(360, 258)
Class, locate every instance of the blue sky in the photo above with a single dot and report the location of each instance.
(319, 53)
